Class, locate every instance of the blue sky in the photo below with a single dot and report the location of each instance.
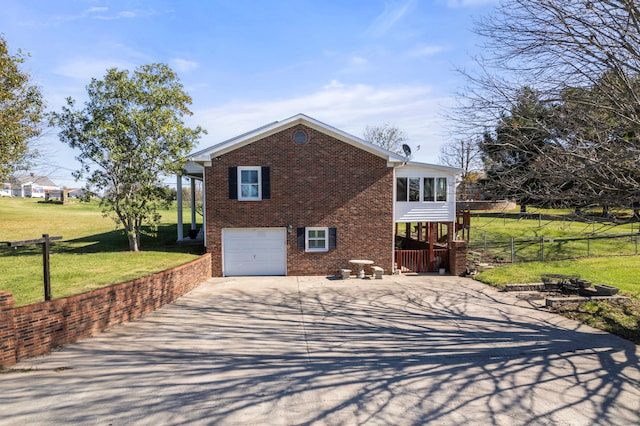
(247, 63)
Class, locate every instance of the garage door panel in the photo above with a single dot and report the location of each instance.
(254, 251)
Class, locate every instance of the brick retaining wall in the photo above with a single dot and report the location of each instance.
(36, 329)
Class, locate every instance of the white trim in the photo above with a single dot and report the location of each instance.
(204, 207)
(307, 238)
(436, 187)
(179, 202)
(252, 169)
(192, 203)
(421, 198)
(247, 138)
(439, 167)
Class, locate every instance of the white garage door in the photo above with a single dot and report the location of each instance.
(254, 251)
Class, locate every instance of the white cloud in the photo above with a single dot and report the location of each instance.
(333, 84)
(470, 3)
(88, 68)
(348, 107)
(105, 14)
(96, 10)
(127, 14)
(358, 60)
(428, 50)
(393, 12)
(183, 65)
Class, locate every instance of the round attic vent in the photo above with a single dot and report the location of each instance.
(300, 137)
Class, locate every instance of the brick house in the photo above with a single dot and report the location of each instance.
(299, 197)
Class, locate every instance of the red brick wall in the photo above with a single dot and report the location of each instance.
(458, 257)
(36, 329)
(324, 182)
(7, 331)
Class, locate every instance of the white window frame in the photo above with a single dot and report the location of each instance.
(437, 187)
(249, 168)
(307, 239)
(421, 198)
(433, 188)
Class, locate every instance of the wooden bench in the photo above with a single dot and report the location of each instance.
(377, 272)
(345, 273)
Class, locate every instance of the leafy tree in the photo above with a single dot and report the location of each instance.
(130, 133)
(21, 110)
(514, 156)
(583, 56)
(386, 136)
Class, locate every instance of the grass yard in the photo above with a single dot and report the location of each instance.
(562, 235)
(91, 254)
(619, 271)
(623, 272)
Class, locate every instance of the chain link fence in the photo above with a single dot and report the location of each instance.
(505, 249)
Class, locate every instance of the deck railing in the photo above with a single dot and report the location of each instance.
(419, 261)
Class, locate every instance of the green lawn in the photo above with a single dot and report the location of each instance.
(91, 254)
(619, 271)
(623, 272)
(563, 236)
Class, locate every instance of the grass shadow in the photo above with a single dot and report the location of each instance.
(116, 241)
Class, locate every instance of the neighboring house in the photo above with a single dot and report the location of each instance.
(299, 197)
(76, 192)
(6, 190)
(31, 186)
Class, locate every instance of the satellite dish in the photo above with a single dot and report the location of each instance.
(407, 149)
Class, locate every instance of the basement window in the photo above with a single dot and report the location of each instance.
(317, 239)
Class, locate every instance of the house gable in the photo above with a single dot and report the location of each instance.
(308, 192)
(322, 183)
(278, 126)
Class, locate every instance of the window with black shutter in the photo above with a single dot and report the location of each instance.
(317, 239)
(249, 183)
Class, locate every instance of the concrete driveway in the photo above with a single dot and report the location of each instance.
(404, 350)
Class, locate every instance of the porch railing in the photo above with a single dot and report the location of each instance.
(419, 261)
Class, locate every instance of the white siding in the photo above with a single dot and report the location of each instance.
(429, 211)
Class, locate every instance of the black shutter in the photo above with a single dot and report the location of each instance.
(266, 183)
(233, 183)
(332, 238)
(301, 237)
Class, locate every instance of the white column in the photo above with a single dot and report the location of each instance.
(179, 199)
(193, 204)
(204, 208)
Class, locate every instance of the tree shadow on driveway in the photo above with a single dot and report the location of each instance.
(402, 351)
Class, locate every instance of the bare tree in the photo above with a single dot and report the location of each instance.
(463, 154)
(582, 59)
(387, 136)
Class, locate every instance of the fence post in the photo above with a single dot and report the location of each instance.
(485, 241)
(46, 269)
(513, 250)
(46, 247)
(542, 248)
